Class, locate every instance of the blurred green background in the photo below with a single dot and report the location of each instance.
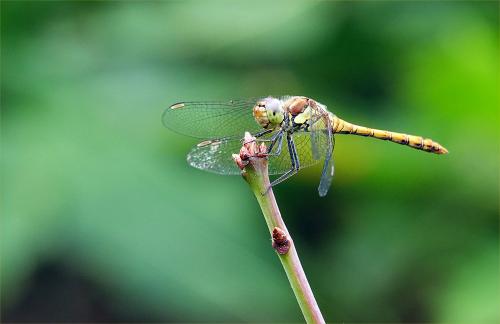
(103, 220)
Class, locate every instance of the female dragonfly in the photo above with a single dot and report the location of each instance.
(305, 124)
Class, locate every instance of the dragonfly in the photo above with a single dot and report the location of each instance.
(299, 132)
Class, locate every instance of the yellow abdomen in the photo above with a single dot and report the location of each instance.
(425, 144)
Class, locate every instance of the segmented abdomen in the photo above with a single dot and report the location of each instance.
(425, 144)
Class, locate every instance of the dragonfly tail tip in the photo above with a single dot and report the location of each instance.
(443, 151)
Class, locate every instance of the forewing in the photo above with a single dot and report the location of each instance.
(208, 120)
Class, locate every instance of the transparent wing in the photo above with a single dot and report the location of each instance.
(328, 168)
(322, 144)
(212, 119)
(318, 125)
(216, 155)
(282, 163)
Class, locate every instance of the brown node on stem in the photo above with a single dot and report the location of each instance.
(280, 241)
(248, 150)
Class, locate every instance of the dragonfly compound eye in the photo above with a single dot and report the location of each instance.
(268, 112)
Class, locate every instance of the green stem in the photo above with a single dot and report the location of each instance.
(256, 174)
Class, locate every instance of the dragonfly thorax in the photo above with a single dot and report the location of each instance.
(296, 105)
(300, 110)
(269, 113)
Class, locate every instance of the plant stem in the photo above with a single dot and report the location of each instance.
(256, 174)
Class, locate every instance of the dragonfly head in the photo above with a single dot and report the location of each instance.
(269, 112)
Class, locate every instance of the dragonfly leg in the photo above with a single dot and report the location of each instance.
(295, 163)
(262, 133)
(272, 139)
(279, 139)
